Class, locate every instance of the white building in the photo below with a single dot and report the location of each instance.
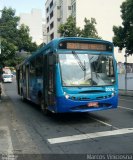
(34, 21)
(57, 12)
(106, 13)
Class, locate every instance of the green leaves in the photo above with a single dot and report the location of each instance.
(8, 50)
(69, 28)
(89, 28)
(14, 38)
(123, 35)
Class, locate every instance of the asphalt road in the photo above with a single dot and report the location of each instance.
(31, 132)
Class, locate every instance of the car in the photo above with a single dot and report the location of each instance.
(7, 78)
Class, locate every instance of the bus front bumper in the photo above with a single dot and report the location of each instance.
(67, 105)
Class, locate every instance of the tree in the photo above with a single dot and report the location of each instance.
(13, 37)
(89, 29)
(69, 28)
(123, 35)
(24, 41)
(8, 50)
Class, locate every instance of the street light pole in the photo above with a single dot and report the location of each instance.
(125, 71)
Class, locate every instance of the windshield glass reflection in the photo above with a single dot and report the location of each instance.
(86, 70)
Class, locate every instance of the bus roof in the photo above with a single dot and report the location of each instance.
(53, 45)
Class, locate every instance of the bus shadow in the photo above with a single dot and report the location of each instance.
(31, 105)
(76, 118)
(67, 118)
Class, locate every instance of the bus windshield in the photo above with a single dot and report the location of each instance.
(79, 69)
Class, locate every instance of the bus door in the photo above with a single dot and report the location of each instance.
(27, 80)
(49, 76)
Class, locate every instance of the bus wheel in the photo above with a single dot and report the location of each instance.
(44, 107)
(22, 96)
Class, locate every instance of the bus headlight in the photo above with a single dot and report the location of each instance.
(66, 95)
(112, 94)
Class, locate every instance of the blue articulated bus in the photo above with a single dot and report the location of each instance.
(70, 75)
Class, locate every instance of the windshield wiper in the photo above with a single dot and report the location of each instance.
(82, 66)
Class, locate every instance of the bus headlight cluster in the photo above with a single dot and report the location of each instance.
(112, 94)
(66, 95)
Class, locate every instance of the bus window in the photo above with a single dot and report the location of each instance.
(32, 73)
(39, 66)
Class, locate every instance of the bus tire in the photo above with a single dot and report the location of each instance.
(22, 96)
(44, 107)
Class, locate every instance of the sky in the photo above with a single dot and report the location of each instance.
(106, 12)
(24, 6)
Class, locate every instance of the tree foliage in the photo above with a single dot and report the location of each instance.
(90, 29)
(69, 29)
(123, 35)
(14, 38)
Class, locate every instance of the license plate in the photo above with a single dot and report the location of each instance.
(93, 104)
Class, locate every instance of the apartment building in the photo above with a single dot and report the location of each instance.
(57, 12)
(73, 5)
(106, 13)
(35, 23)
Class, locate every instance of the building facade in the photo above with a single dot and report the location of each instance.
(57, 12)
(107, 14)
(35, 23)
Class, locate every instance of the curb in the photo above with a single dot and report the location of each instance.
(2, 92)
(126, 93)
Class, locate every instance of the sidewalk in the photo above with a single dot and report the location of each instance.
(123, 92)
(2, 91)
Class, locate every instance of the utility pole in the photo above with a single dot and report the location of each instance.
(126, 71)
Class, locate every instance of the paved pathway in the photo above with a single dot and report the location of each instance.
(125, 93)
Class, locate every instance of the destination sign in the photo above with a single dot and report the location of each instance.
(81, 46)
(85, 46)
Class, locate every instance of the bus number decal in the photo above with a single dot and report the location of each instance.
(109, 89)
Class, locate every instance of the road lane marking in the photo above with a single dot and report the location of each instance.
(90, 136)
(107, 124)
(131, 109)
